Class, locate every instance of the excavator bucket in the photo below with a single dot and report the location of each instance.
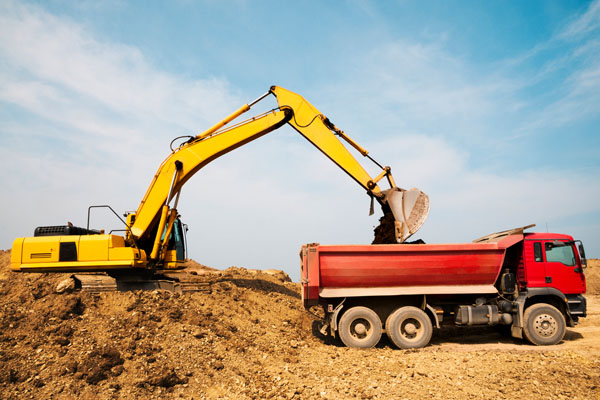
(410, 209)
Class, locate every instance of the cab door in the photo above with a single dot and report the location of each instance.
(562, 268)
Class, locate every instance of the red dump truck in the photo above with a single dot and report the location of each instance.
(530, 283)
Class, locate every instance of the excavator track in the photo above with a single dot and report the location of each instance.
(178, 282)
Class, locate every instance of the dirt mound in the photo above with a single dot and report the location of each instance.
(144, 344)
(198, 268)
(592, 276)
(250, 338)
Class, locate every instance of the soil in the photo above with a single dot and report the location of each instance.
(250, 338)
(385, 232)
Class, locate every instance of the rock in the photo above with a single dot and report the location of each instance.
(166, 379)
(66, 285)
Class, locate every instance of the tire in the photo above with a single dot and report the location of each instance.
(360, 327)
(409, 328)
(544, 324)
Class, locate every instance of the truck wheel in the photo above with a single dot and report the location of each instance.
(409, 328)
(360, 327)
(544, 324)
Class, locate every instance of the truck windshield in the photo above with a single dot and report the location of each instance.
(562, 254)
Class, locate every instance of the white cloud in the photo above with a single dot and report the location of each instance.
(570, 66)
(60, 52)
(585, 23)
(405, 75)
(467, 202)
(53, 68)
(95, 117)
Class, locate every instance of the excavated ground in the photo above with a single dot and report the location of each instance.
(251, 338)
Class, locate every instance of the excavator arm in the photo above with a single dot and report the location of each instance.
(408, 208)
(314, 126)
(155, 215)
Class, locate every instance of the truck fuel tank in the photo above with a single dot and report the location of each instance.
(477, 315)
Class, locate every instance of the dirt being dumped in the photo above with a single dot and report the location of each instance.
(251, 338)
(385, 232)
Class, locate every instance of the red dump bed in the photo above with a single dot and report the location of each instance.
(364, 270)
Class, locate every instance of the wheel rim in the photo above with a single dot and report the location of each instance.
(361, 329)
(411, 329)
(545, 325)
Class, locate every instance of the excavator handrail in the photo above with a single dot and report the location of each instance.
(127, 230)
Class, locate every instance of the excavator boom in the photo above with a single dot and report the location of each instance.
(192, 156)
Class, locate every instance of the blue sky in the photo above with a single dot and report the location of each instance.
(492, 108)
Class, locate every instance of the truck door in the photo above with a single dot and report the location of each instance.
(562, 268)
(533, 274)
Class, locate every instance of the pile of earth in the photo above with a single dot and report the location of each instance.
(385, 232)
(250, 338)
(592, 276)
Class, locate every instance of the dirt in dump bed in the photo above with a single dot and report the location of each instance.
(251, 339)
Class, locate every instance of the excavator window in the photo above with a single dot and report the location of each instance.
(177, 240)
(178, 237)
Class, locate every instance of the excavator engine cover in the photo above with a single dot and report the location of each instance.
(410, 209)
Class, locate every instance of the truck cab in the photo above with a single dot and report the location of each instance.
(551, 261)
(552, 271)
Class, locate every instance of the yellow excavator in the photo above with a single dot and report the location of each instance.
(154, 242)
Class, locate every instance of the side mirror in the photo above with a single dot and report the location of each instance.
(582, 254)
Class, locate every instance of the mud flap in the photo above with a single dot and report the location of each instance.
(516, 329)
(437, 318)
(333, 317)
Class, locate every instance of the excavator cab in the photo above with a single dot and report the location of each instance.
(176, 252)
(177, 240)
